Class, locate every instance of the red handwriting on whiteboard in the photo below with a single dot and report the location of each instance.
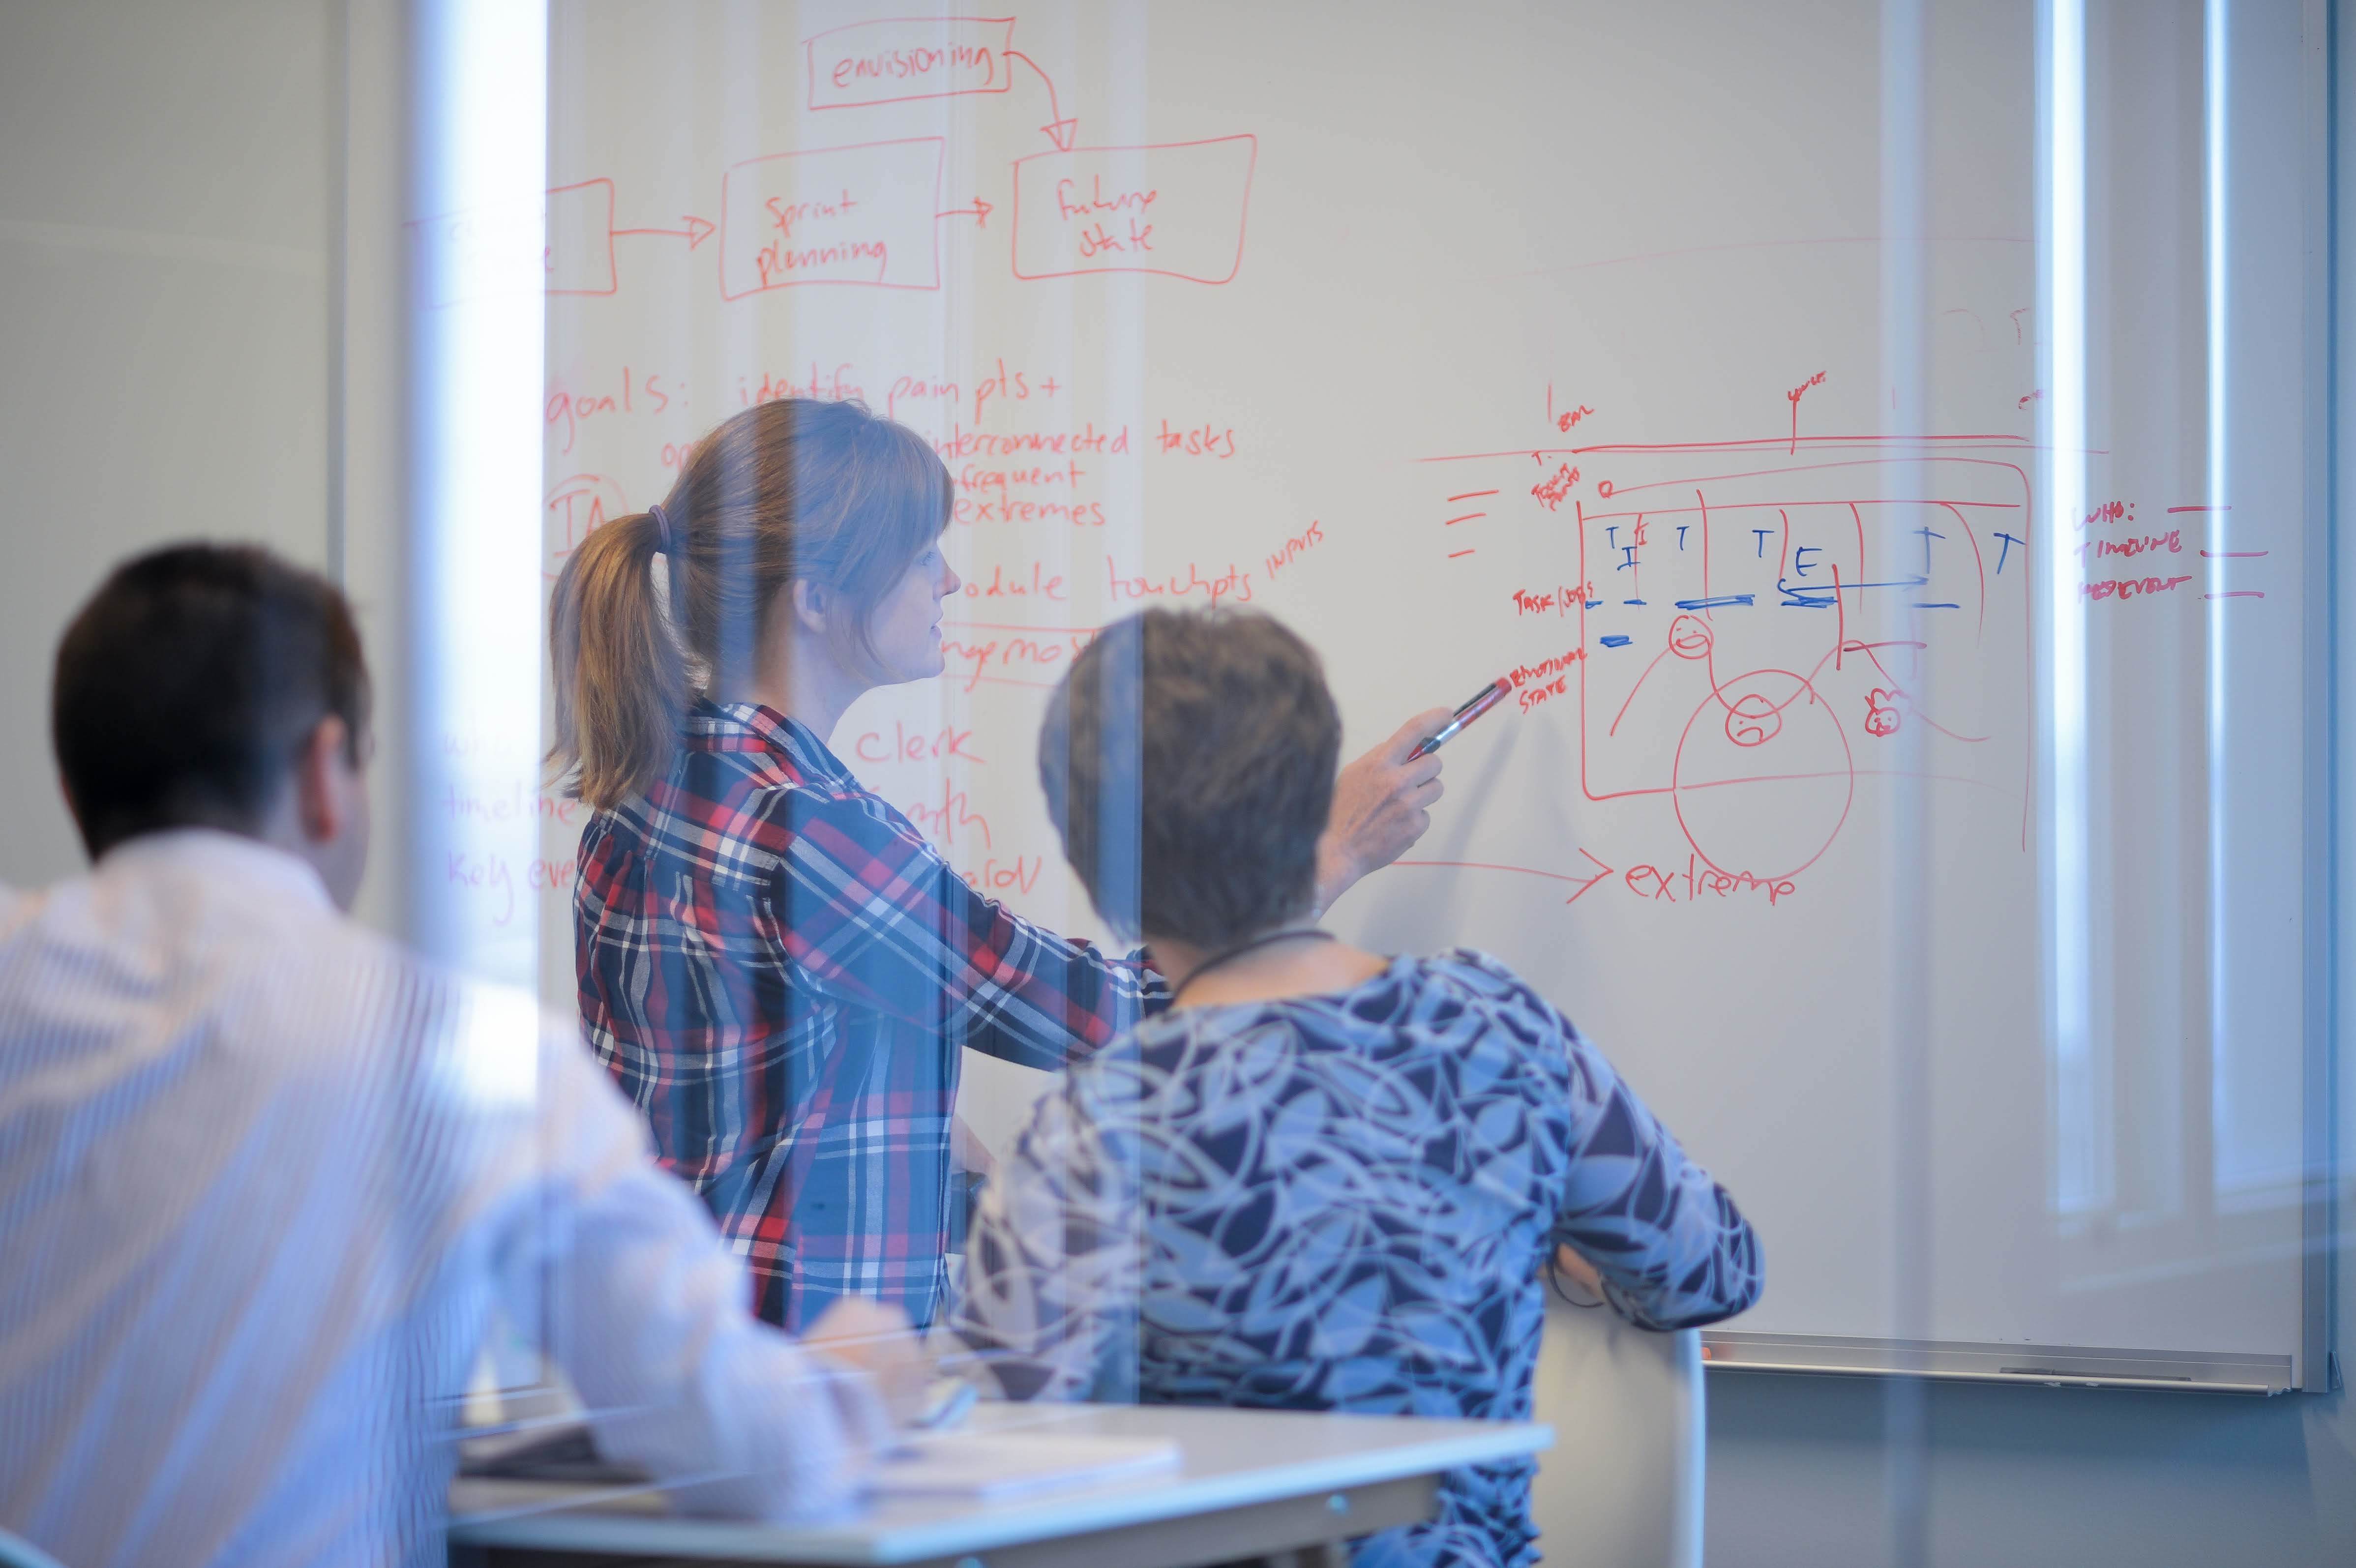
(1018, 875)
(827, 386)
(784, 214)
(1127, 233)
(1096, 200)
(1554, 600)
(779, 262)
(974, 656)
(1551, 493)
(897, 59)
(1232, 583)
(990, 495)
(1793, 396)
(1036, 652)
(1176, 209)
(962, 445)
(905, 747)
(1293, 547)
(1205, 440)
(2172, 541)
(917, 389)
(975, 476)
(568, 408)
(2132, 588)
(509, 805)
(876, 225)
(579, 506)
(2110, 512)
(1530, 697)
(1564, 420)
(1016, 386)
(1654, 884)
(1038, 584)
(1545, 680)
(1079, 514)
(951, 817)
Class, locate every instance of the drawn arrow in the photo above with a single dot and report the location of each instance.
(1602, 872)
(696, 232)
(979, 212)
(1059, 130)
(1581, 884)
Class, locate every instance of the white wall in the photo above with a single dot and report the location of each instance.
(164, 180)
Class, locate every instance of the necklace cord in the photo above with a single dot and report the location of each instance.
(1240, 948)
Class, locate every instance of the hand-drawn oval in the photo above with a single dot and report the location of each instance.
(1763, 777)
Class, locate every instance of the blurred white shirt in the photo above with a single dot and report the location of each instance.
(264, 1177)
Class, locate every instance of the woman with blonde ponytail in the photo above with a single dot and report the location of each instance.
(775, 966)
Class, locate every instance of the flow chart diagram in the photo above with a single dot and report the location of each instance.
(867, 212)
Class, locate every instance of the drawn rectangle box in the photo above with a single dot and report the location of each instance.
(485, 252)
(862, 215)
(897, 59)
(1176, 209)
(579, 255)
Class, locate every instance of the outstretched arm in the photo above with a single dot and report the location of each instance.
(871, 911)
(1672, 1249)
(647, 1310)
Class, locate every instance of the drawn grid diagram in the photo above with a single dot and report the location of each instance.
(1755, 623)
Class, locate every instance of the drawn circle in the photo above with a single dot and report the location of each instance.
(1689, 637)
(1752, 720)
(1763, 777)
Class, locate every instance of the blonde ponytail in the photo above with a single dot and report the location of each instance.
(620, 682)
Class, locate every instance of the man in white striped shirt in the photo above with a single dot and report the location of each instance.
(265, 1176)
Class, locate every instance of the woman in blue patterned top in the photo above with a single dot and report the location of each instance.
(1325, 1180)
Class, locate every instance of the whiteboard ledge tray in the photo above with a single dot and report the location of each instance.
(2073, 1366)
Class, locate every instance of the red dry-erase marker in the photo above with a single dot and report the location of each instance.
(1482, 700)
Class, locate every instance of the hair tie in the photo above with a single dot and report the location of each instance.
(663, 539)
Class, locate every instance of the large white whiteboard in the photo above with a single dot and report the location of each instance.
(1552, 340)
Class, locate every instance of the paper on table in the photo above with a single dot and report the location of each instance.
(1007, 1464)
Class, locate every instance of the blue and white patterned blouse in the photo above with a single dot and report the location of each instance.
(1344, 1202)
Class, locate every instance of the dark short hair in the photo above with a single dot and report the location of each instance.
(1211, 736)
(188, 684)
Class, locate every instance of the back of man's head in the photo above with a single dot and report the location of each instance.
(187, 686)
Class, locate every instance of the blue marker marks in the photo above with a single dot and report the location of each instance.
(1616, 641)
(1928, 535)
(1632, 601)
(1595, 604)
(1720, 603)
(1938, 606)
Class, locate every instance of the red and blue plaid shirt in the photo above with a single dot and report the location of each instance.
(781, 972)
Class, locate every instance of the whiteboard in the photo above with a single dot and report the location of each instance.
(1931, 861)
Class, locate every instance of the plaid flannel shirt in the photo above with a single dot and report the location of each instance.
(781, 971)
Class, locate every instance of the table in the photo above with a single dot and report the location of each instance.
(1251, 1483)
